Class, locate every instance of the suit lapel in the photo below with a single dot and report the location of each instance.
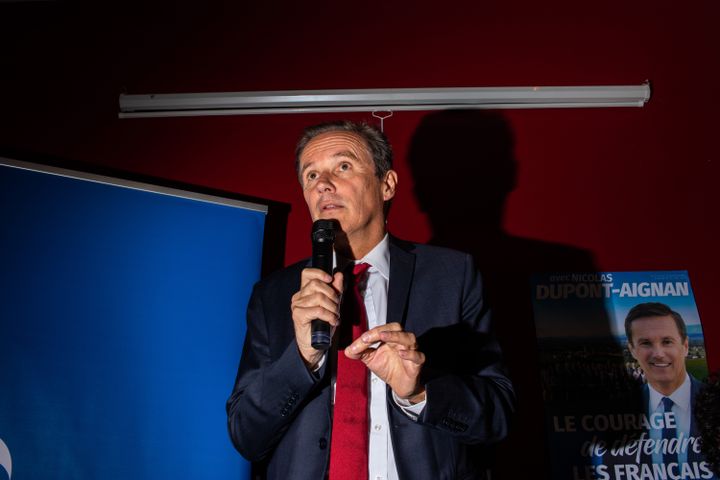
(695, 387)
(402, 267)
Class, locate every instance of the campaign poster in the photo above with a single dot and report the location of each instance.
(622, 358)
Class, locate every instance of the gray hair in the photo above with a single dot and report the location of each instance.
(375, 140)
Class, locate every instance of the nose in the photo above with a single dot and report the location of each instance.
(658, 352)
(324, 183)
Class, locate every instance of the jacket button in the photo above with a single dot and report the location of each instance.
(322, 443)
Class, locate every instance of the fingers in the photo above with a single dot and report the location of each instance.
(314, 280)
(309, 274)
(337, 282)
(403, 340)
(418, 358)
(322, 305)
(317, 299)
(392, 354)
(390, 334)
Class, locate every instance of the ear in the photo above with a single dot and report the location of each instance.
(632, 350)
(389, 184)
(686, 346)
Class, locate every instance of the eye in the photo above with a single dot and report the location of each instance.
(344, 166)
(311, 176)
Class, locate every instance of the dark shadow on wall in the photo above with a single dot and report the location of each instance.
(463, 166)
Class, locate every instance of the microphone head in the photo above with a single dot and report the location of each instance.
(323, 231)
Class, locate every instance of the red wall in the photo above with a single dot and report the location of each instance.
(636, 187)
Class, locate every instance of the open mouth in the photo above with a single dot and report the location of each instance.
(329, 205)
(660, 365)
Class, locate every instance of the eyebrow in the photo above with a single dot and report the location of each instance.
(346, 153)
(667, 337)
(341, 154)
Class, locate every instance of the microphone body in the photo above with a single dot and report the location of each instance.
(323, 237)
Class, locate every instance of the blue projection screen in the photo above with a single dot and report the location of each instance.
(121, 325)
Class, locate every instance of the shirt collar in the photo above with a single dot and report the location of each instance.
(379, 258)
(681, 396)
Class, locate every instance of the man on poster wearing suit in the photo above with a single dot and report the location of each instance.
(657, 339)
(438, 392)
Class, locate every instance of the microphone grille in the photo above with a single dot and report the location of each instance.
(323, 231)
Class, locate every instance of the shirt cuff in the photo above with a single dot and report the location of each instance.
(412, 410)
(319, 364)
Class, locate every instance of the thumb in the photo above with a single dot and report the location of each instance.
(337, 282)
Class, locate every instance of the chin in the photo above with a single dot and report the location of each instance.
(328, 215)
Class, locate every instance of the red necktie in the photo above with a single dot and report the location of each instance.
(349, 443)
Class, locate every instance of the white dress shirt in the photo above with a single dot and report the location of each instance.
(681, 410)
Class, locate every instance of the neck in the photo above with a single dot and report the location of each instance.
(667, 389)
(356, 248)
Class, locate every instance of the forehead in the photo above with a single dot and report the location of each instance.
(335, 144)
(654, 327)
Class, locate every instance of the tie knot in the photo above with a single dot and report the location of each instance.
(667, 403)
(360, 268)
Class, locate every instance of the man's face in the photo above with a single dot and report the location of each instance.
(657, 346)
(338, 178)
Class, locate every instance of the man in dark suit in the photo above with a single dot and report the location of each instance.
(657, 339)
(438, 393)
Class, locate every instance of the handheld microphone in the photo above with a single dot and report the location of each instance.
(323, 237)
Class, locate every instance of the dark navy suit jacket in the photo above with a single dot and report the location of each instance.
(279, 413)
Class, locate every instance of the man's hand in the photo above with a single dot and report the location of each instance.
(316, 299)
(395, 360)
